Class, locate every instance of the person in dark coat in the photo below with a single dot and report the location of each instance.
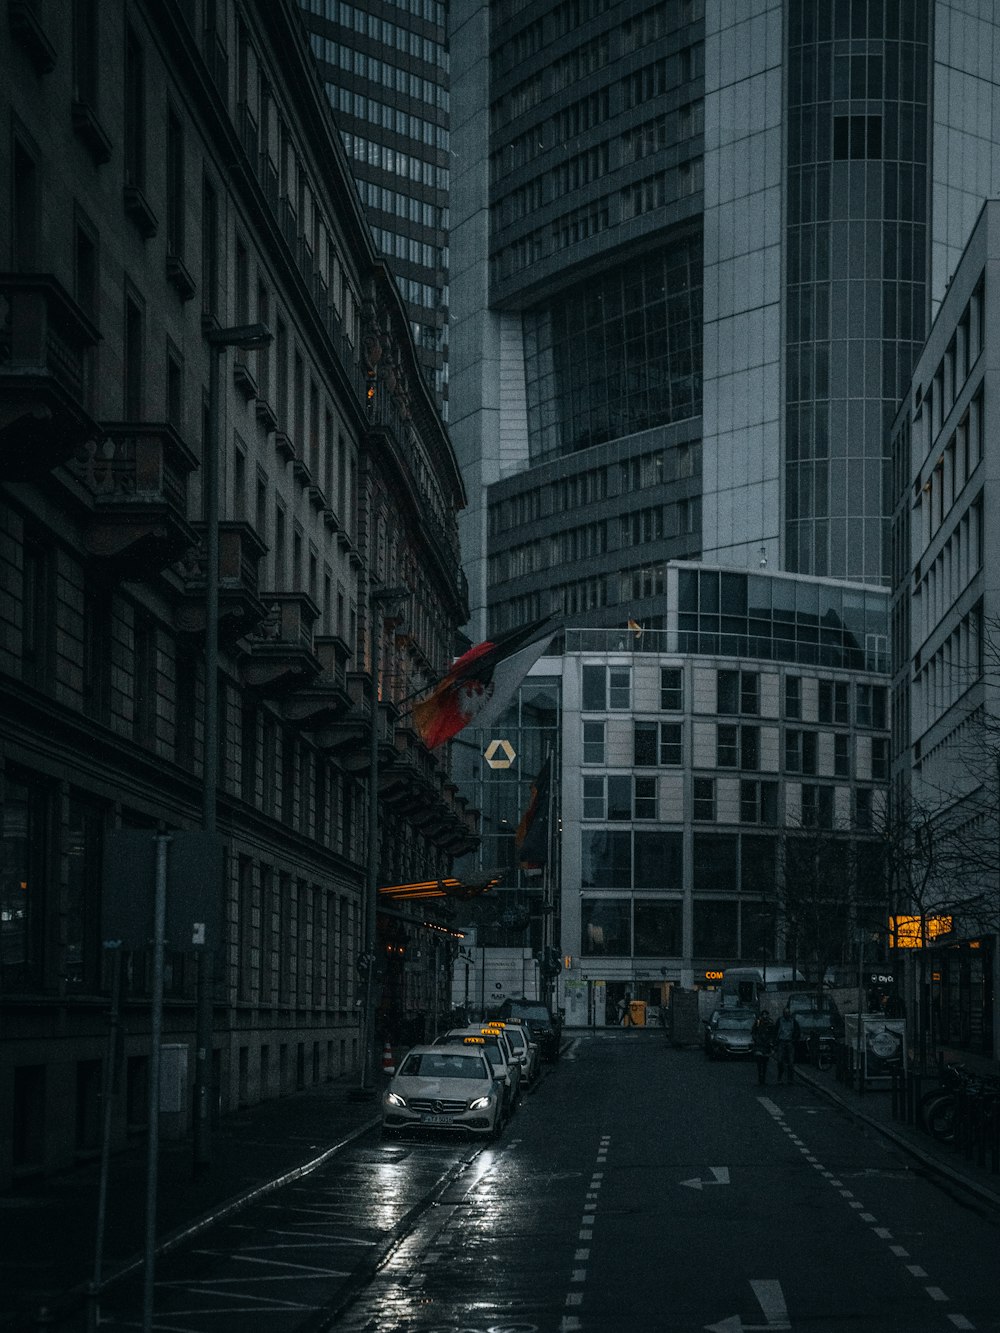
(762, 1043)
(788, 1033)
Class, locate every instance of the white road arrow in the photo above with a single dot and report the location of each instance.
(771, 1299)
(721, 1174)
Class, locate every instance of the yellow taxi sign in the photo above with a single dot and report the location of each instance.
(473, 1041)
(494, 1025)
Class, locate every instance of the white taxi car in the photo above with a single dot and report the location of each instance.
(444, 1087)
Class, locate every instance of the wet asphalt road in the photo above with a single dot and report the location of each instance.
(638, 1188)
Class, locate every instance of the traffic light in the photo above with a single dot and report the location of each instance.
(550, 961)
(370, 394)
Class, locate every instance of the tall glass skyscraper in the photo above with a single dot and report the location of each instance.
(716, 236)
(384, 64)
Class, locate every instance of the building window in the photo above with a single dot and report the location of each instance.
(870, 706)
(880, 758)
(133, 361)
(715, 928)
(727, 746)
(209, 248)
(817, 806)
(800, 751)
(135, 112)
(657, 743)
(738, 692)
(834, 702)
(671, 689)
(657, 928)
(593, 743)
(715, 862)
(605, 927)
(22, 883)
(25, 212)
(37, 613)
(608, 797)
(857, 137)
(606, 689)
(144, 681)
(793, 697)
(759, 803)
(863, 807)
(737, 747)
(85, 52)
(841, 756)
(644, 798)
(704, 799)
(175, 185)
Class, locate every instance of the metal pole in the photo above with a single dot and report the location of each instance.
(156, 1034)
(210, 766)
(107, 1092)
(371, 878)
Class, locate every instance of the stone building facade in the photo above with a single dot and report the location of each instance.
(170, 171)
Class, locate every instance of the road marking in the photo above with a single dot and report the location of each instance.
(569, 1324)
(883, 1233)
(900, 1251)
(867, 1217)
(578, 1275)
(916, 1270)
(586, 1235)
(574, 1298)
(721, 1174)
(581, 1256)
(960, 1321)
(935, 1293)
(771, 1300)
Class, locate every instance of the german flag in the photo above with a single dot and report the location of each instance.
(532, 836)
(480, 683)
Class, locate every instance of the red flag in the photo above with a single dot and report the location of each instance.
(532, 836)
(480, 683)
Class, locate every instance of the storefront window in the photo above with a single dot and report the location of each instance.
(657, 928)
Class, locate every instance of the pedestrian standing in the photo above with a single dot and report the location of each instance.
(787, 1035)
(620, 1007)
(762, 1043)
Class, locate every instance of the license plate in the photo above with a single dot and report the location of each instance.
(435, 1119)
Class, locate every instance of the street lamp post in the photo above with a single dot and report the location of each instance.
(246, 336)
(377, 597)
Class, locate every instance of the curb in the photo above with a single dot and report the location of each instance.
(929, 1160)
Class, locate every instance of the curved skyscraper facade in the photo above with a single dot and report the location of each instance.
(695, 248)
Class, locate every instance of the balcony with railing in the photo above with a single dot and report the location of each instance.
(327, 699)
(135, 475)
(240, 607)
(46, 387)
(281, 653)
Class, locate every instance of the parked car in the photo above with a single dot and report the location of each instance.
(448, 1088)
(818, 1018)
(728, 1032)
(525, 1050)
(546, 1027)
(497, 1049)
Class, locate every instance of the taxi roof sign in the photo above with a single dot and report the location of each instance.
(473, 1041)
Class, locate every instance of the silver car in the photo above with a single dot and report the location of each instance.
(525, 1050)
(444, 1087)
(728, 1032)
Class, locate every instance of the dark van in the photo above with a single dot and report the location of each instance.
(545, 1027)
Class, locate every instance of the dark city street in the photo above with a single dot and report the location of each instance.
(637, 1187)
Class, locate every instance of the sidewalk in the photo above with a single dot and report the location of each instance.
(874, 1107)
(47, 1228)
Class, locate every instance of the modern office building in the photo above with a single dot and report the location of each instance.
(172, 177)
(716, 236)
(946, 646)
(384, 66)
(720, 787)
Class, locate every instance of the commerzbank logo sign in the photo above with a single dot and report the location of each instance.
(499, 754)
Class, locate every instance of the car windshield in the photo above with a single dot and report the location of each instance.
(516, 1039)
(442, 1064)
(736, 1022)
(536, 1013)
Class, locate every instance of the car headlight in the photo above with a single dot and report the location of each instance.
(481, 1103)
(394, 1099)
